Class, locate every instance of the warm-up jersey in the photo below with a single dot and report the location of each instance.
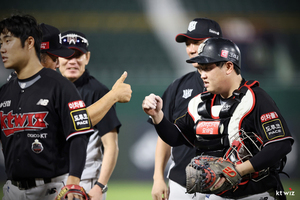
(38, 116)
(175, 100)
(91, 90)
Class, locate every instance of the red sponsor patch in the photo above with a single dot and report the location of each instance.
(268, 116)
(45, 45)
(207, 128)
(224, 53)
(76, 105)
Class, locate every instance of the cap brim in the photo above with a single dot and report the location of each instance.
(201, 60)
(183, 36)
(83, 50)
(61, 52)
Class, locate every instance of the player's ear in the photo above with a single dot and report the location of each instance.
(88, 56)
(30, 42)
(229, 67)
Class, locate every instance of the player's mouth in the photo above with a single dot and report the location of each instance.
(4, 59)
(206, 84)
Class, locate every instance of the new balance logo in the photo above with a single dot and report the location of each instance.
(187, 93)
(43, 102)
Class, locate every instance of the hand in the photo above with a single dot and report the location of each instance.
(152, 105)
(122, 90)
(96, 193)
(160, 191)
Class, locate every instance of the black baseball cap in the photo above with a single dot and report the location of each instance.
(51, 42)
(75, 40)
(199, 29)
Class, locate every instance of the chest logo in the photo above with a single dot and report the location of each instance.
(11, 123)
(43, 102)
(187, 93)
(36, 146)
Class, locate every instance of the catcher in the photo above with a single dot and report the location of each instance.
(215, 123)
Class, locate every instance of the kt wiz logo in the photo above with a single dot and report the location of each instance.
(286, 193)
(11, 123)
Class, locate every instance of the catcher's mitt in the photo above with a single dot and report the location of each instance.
(204, 172)
(75, 189)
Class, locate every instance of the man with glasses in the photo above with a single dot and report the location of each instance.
(102, 151)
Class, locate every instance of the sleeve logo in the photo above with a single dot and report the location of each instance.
(76, 105)
(80, 119)
(268, 116)
(273, 129)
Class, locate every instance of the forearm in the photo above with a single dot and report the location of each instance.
(77, 154)
(111, 152)
(108, 164)
(99, 109)
(169, 133)
(162, 155)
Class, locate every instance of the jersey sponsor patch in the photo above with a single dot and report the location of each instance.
(76, 105)
(273, 129)
(268, 116)
(80, 119)
(11, 123)
(207, 128)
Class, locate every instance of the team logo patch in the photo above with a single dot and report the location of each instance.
(224, 53)
(76, 105)
(192, 26)
(268, 116)
(11, 123)
(187, 93)
(80, 119)
(273, 129)
(36, 146)
(207, 128)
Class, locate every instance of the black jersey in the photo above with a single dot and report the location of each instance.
(38, 115)
(265, 120)
(175, 100)
(91, 90)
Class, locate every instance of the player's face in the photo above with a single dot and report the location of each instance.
(192, 48)
(12, 53)
(214, 78)
(72, 68)
(49, 61)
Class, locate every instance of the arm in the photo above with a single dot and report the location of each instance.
(120, 92)
(111, 151)
(162, 155)
(78, 145)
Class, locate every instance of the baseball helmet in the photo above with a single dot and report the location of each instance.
(214, 50)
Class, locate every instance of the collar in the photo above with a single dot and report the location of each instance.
(82, 79)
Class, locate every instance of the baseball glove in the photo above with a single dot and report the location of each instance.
(75, 189)
(204, 172)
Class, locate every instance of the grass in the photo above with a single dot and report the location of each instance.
(139, 190)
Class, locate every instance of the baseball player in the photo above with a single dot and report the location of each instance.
(215, 117)
(175, 99)
(44, 122)
(102, 151)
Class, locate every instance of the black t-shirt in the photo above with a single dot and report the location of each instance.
(38, 116)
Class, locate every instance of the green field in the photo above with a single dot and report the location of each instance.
(135, 190)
